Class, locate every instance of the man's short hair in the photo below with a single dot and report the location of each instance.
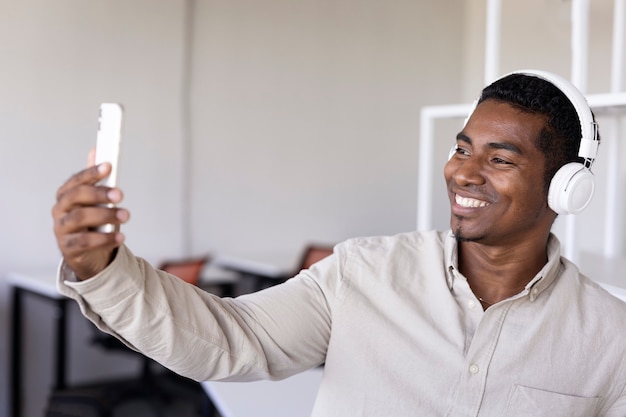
(559, 140)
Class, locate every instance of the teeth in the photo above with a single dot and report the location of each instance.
(469, 202)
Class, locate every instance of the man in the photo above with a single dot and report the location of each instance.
(484, 320)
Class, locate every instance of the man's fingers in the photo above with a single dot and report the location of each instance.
(82, 206)
(85, 218)
(87, 195)
(89, 176)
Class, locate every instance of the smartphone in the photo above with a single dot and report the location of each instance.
(108, 144)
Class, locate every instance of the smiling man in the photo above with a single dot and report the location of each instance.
(485, 319)
(498, 200)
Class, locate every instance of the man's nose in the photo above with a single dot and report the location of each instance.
(468, 171)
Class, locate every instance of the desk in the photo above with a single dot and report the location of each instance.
(276, 268)
(261, 273)
(225, 280)
(291, 397)
(39, 284)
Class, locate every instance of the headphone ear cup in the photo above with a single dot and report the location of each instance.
(571, 189)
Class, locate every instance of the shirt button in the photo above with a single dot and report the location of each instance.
(473, 368)
(471, 303)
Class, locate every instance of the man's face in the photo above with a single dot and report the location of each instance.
(495, 179)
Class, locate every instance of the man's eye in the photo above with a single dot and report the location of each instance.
(500, 161)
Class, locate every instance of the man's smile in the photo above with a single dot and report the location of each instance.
(469, 202)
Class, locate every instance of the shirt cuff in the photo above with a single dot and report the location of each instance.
(66, 274)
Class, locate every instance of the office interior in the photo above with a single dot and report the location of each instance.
(253, 128)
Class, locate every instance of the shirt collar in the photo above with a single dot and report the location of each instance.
(540, 282)
(451, 258)
(549, 272)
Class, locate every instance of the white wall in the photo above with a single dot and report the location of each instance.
(304, 126)
(305, 118)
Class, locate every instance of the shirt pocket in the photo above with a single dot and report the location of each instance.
(533, 402)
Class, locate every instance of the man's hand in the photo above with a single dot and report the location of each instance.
(79, 210)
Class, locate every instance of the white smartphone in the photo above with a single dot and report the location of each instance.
(108, 144)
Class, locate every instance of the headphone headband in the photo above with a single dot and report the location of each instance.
(589, 129)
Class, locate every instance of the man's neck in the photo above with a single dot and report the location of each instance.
(497, 273)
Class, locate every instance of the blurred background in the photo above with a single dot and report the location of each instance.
(252, 127)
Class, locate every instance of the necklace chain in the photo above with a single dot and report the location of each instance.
(487, 303)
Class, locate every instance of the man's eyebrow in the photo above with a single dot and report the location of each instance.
(464, 138)
(507, 146)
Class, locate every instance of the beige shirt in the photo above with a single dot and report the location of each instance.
(397, 325)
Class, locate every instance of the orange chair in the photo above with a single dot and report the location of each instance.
(222, 283)
(189, 269)
(313, 253)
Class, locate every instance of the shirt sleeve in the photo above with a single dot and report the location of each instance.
(271, 334)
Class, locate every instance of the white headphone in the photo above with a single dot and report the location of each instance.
(573, 184)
